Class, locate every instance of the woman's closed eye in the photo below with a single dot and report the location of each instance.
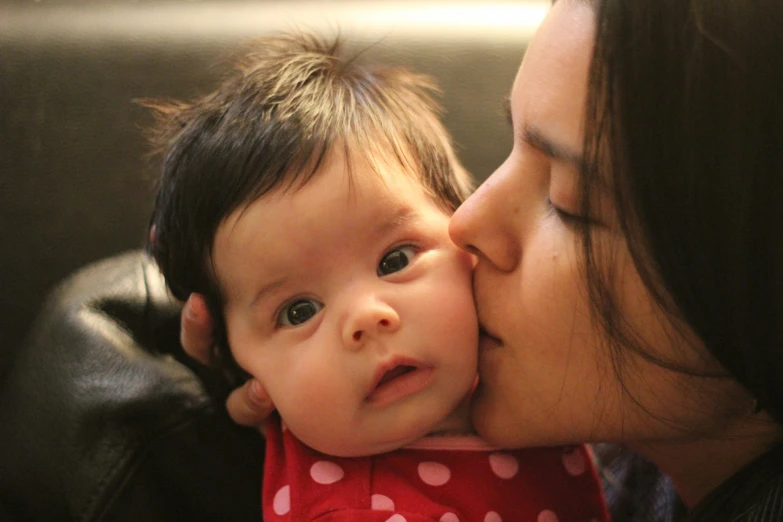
(566, 216)
(298, 312)
(396, 260)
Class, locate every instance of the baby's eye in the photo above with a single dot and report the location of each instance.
(396, 260)
(298, 312)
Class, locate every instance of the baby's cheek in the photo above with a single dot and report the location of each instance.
(308, 405)
(463, 307)
(301, 399)
(457, 323)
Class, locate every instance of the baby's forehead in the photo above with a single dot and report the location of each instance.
(359, 167)
(337, 186)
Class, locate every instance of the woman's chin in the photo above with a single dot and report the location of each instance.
(492, 425)
(498, 427)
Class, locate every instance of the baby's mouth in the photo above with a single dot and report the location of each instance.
(399, 381)
(395, 372)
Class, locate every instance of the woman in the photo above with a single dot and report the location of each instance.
(629, 281)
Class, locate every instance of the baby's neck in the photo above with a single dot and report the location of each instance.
(457, 423)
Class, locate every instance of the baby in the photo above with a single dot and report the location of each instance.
(308, 199)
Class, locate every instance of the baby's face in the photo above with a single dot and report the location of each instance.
(349, 302)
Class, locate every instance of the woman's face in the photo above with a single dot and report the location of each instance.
(547, 373)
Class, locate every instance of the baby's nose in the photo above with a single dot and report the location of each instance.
(370, 319)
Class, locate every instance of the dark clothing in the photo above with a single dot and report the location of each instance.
(754, 494)
(635, 490)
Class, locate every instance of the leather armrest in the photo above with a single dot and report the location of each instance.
(104, 418)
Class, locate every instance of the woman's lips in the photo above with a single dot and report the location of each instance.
(487, 340)
(397, 381)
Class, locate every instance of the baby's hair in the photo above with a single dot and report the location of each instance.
(289, 102)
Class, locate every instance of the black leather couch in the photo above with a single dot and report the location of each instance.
(102, 417)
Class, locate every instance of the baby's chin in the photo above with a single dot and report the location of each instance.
(348, 444)
(351, 447)
(372, 437)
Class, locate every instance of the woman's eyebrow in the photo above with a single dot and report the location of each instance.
(535, 138)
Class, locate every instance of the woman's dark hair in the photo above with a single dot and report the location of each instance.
(290, 101)
(685, 122)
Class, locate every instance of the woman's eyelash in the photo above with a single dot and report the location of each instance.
(566, 216)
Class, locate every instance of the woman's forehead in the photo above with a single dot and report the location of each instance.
(550, 91)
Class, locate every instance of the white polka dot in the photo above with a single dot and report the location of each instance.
(325, 472)
(503, 465)
(574, 461)
(282, 501)
(434, 473)
(449, 517)
(396, 518)
(492, 516)
(381, 503)
(547, 516)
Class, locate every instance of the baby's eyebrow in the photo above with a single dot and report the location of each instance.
(397, 219)
(266, 289)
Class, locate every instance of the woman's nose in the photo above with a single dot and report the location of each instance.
(488, 224)
(369, 319)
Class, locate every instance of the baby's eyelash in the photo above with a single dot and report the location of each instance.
(283, 315)
(414, 250)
